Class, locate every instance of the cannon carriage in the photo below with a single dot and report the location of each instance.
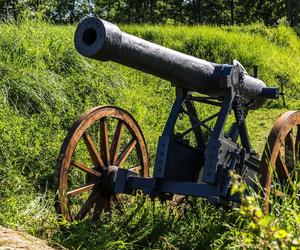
(92, 172)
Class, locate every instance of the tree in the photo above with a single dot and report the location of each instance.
(292, 11)
(271, 11)
(216, 12)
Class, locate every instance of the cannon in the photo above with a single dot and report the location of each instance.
(104, 154)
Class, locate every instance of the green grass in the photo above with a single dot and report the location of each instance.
(45, 85)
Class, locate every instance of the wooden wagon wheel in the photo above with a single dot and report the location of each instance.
(99, 142)
(281, 155)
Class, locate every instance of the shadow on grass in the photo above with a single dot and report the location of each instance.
(143, 224)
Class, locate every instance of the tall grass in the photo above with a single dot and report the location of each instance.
(45, 85)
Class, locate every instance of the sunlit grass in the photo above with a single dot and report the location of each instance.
(45, 86)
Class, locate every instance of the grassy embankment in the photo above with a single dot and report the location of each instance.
(45, 85)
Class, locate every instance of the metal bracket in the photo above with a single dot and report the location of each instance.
(215, 146)
(163, 143)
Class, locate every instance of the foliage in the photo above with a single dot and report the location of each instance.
(45, 85)
(279, 229)
(217, 12)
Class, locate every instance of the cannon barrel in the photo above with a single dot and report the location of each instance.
(102, 40)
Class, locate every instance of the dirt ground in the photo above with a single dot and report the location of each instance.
(10, 239)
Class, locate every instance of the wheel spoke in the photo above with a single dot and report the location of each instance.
(84, 188)
(91, 200)
(282, 169)
(86, 169)
(290, 150)
(93, 150)
(116, 142)
(104, 148)
(98, 208)
(126, 152)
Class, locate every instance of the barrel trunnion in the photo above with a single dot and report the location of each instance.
(202, 169)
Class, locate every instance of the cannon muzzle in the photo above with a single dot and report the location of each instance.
(104, 41)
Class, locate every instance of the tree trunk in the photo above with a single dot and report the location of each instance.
(7, 9)
(152, 18)
(108, 10)
(199, 12)
(289, 12)
(72, 12)
(232, 11)
(181, 11)
(14, 11)
(60, 11)
(193, 19)
(296, 12)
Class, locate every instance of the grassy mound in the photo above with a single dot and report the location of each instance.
(45, 85)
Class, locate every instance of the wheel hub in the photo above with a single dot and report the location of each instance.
(105, 182)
